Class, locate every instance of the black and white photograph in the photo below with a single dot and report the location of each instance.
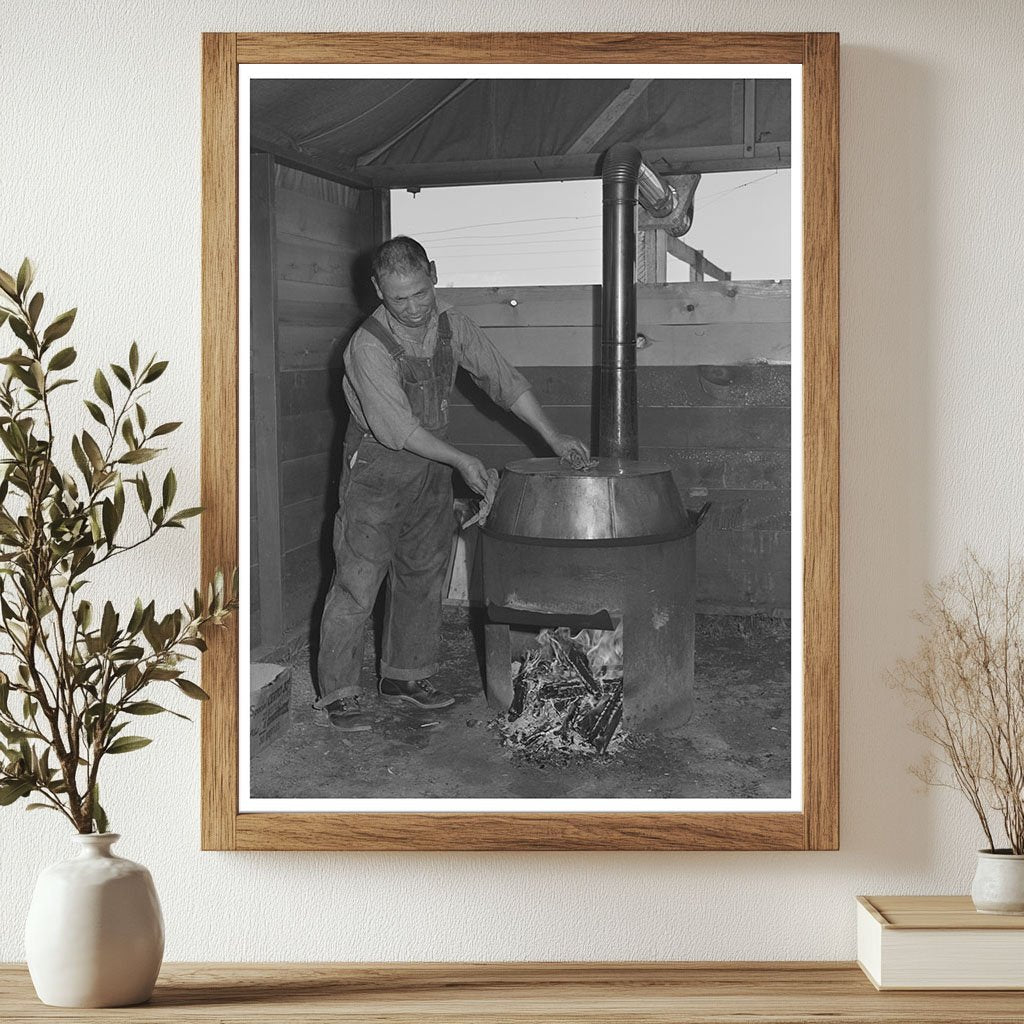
(520, 488)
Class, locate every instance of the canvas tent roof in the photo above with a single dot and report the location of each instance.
(395, 133)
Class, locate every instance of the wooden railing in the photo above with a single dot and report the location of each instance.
(654, 246)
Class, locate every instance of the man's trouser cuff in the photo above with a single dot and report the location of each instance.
(329, 698)
(406, 675)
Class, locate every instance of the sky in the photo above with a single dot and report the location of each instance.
(550, 232)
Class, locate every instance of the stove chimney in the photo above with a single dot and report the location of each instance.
(625, 178)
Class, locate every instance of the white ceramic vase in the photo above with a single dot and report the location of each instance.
(999, 883)
(95, 934)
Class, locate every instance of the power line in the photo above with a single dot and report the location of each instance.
(500, 223)
(705, 201)
(508, 234)
(479, 244)
(718, 196)
(596, 250)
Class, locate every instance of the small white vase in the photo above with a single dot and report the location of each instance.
(999, 883)
(95, 934)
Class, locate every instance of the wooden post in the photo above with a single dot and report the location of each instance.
(264, 416)
(381, 215)
(749, 117)
(697, 266)
(651, 256)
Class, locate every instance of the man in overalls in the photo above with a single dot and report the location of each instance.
(395, 517)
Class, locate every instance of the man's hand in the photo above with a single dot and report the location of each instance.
(473, 472)
(565, 446)
(570, 448)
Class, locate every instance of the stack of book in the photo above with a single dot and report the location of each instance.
(938, 942)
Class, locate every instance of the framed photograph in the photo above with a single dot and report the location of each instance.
(520, 418)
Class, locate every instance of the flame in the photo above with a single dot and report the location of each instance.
(604, 651)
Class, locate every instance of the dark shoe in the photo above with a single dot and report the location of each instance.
(417, 692)
(346, 714)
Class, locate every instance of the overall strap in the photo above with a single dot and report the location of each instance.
(444, 328)
(385, 337)
(443, 350)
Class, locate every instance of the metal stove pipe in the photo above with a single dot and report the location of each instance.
(624, 177)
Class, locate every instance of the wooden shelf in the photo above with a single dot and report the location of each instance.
(631, 993)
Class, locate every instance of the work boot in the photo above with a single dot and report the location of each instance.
(347, 714)
(417, 692)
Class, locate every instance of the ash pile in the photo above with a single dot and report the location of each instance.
(567, 694)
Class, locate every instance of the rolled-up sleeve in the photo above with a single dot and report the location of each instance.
(372, 379)
(476, 352)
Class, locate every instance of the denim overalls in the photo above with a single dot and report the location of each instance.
(394, 519)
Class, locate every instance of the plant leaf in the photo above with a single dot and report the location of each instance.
(102, 388)
(34, 308)
(121, 374)
(138, 455)
(14, 790)
(95, 412)
(185, 513)
(125, 744)
(145, 497)
(92, 449)
(165, 428)
(170, 488)
(147, 707)
(80, 459)
(108, 626)
(63, 359)
(26, 274)
(133, 358)
(128, 433)
(60, 326)
(154, 371)
(191, 690)
(99, 816)
(20, 328)
(119, 499)
(7, 283)
(109, 522)
(84, 614)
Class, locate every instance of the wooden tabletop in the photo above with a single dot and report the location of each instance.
(565, 993)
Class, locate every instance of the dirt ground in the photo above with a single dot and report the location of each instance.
(735, 746)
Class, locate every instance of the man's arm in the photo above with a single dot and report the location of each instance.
(421, 442)
(507, 387)
(565, 446)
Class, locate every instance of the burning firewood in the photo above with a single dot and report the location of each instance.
(567, 693)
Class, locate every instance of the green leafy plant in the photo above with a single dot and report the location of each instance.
(80, 673)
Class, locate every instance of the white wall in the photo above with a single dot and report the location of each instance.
(99, 182)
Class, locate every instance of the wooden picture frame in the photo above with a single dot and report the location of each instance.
(816, 826)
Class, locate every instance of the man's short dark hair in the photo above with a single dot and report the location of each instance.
(400, 255)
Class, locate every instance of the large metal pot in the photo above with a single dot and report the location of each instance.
(615, 500)
(591, 548)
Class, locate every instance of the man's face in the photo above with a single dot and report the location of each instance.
(408, 296)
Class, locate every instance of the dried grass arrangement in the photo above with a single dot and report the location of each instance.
(967, 679)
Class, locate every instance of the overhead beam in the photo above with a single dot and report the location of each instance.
(702, 160)
(314, 165)
(607, 118)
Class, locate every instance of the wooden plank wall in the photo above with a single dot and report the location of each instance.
(714, 397)
(325, 234)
